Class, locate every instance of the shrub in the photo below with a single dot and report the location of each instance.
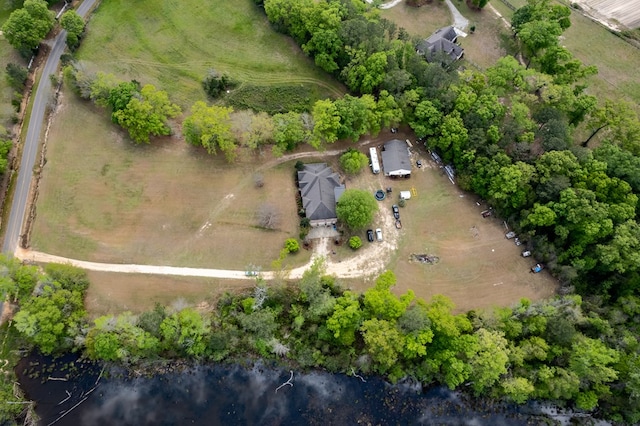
(291, 245)
(355, 242)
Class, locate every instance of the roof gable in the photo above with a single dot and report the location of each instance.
(319, 186)
(443, 40)
(395, 157)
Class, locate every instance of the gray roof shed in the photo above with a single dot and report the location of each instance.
(395, 158)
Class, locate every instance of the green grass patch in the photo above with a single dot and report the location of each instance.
(173, 44)
(273, 99)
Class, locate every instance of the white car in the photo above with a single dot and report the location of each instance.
(379, 234)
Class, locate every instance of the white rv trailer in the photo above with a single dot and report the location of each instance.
(375, 164)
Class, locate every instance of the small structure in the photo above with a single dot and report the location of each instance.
(443, 41)
(395, 159)
(320, 189)
(375, 164)
(405, 195)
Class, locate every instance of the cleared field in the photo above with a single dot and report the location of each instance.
(104, 199)
(483, 48)
(172, 44)
(627, 12)
(477, 268)
(114, 293)
(419, 21)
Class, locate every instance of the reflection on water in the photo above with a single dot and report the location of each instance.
(234, 395)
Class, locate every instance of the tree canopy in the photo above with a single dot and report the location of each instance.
(356, 208)
(27, 27)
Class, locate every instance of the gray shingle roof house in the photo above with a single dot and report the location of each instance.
(320, 189)
(443, 40)
(395, 159)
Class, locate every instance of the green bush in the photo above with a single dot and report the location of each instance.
(291, 245)
(355, 242)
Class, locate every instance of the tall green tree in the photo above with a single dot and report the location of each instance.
(210, 127)
(356, 208)
(353, 161)
(27, 27)
(147, 115)
(74, 25)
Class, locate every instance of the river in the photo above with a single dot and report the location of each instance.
(71, 392)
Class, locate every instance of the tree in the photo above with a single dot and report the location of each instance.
(353, 161)
(27, 27)
(147, 115)
(490, 360)
(326, 123)
(356, 208)
(288, 132)
(215, 83)
(345, 319)
(52, 319)
(16, 76)
(210, 127)
(268, 216)
(74, 25)
(381, 303)
(186, 332)
(383, 341)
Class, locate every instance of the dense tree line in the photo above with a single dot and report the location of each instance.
(583, 354)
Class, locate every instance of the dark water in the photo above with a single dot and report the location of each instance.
(234, 395)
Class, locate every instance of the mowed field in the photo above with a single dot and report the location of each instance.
(103, 199)
(172, 44)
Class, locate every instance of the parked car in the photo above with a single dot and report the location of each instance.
(394, 130)
(370, 235)
(487, 213)
(509, 235)
(517, 241)
(526, 253)
(537, 268)
(419, 163)
(379, 234)
(396, 211)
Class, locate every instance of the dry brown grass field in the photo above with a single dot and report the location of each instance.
(478, 267)
(104, 199)
(111, 293)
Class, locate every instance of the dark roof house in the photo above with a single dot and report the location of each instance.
(320, 189)
(442, 41)
(395, 159)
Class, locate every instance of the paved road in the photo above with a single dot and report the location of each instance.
(32, 141)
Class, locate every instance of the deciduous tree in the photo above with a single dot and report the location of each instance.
(210, 127)
(356, 208)
(27, 27)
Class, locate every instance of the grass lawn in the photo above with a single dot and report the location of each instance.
(419, 21)
(172, 44)
(103, 199)
(115, 293)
